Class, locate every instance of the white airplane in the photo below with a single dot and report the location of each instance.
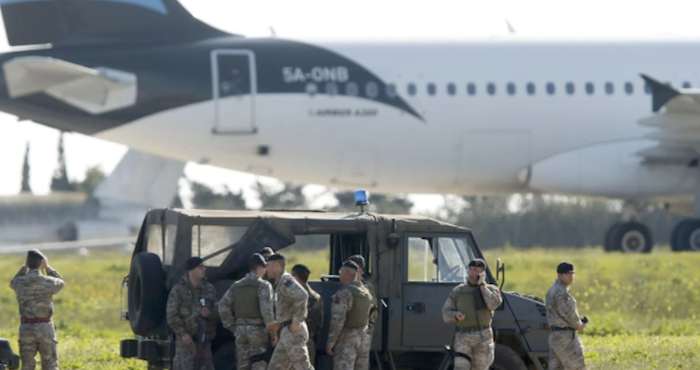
(584, 118)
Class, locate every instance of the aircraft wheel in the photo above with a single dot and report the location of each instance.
(686, 236)
(632, 237)
(608, 242)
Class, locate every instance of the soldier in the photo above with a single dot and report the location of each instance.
(350, 310)
(314, 319)
(362, 276)
(246, 309)
(192, 316)
(565, 348)
(267, 252)
(290, 319)
(470, 307)
(35, 298)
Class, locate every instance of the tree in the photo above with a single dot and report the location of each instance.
(60, 181)
(93, 177)
(289, 197)
(205, 197)
(26, 171)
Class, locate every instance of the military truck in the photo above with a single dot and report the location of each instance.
(413, 261)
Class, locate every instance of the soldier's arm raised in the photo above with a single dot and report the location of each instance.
(566, 306)
(341, 303)
(225, 305)
(15, 282)
(267, 305)
(492, 296)
(449, 309)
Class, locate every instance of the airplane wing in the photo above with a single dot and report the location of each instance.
(676, 119)
(94, 90)
(72, 245)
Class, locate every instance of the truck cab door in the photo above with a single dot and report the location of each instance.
(433, 265)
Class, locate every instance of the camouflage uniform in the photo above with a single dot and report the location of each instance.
(565, 348)
(183, 315)
(36, 333)
(373, 315)
(290, 306)
(314, 321)
(474, 336)
(245, 310)
(348, 327)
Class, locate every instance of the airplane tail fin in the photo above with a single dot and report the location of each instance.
(80, 22)
(139, 182)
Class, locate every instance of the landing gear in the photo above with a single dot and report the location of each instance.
(630, 237)
(686, 235)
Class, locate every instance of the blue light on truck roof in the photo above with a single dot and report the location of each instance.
(361, 197)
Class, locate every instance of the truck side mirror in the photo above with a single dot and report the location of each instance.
(500, 273)
(394, 237)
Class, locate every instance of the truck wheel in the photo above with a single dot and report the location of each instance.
(146, 293)
(507, 359)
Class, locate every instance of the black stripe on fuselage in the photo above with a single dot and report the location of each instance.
(175, 75)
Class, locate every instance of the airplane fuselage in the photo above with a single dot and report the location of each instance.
(445, 117)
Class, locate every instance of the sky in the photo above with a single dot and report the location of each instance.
(358, 20)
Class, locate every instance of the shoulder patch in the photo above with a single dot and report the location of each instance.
(288, 283)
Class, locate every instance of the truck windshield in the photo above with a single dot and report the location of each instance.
(441, 259)
(207, 239)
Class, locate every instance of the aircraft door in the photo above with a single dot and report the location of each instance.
(434, 265)
(234, 91)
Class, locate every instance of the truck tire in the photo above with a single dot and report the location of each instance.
(146, 293)
(507, 359)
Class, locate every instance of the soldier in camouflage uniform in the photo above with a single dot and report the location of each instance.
(350, 310)
(565, 348)
(374, 313)
(246, 309)
(314, 319)
(192, 316)
(290, 319)
(35, 297)
(470, 307)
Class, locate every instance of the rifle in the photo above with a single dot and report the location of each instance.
(265, 356)
(201, 339)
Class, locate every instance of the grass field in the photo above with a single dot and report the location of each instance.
(644, 309)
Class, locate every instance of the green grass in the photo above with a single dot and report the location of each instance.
(644, 309)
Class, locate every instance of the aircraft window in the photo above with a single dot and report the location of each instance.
(451, 88)
(629, 88)
(687, 85)
(432, 89)
(570, 88)
(590, 88)
(491, 88)
(371, 89)
(311, 89)
(411, 89)
(530, 87)
(391, 91)
(609, 88)
(551, 88)
(510, 88)
(351, 89)
(332, 88)
(471, 89)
